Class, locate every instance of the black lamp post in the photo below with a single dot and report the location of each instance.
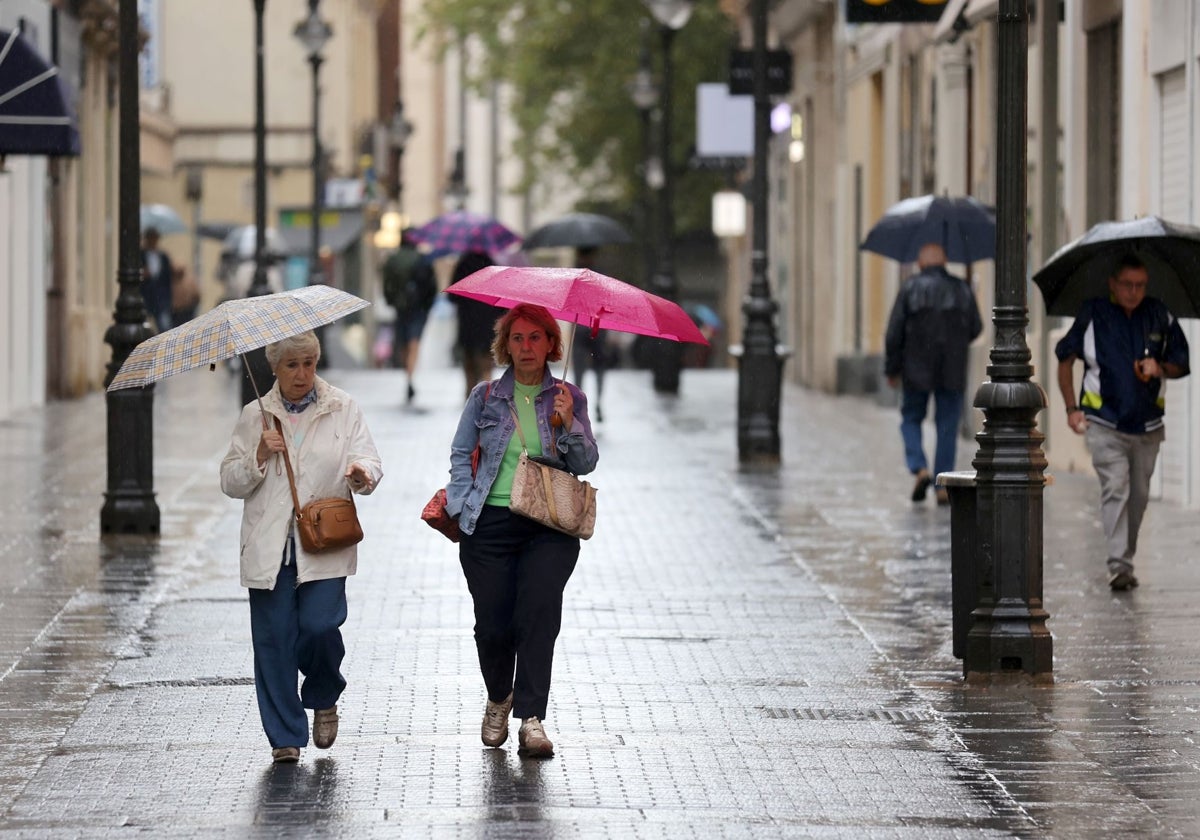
(671, 15)
(256, 360)
(760, 364)
(399, 132)
(644, 94)
(1008, 631)
(129, 505)
(314, 34)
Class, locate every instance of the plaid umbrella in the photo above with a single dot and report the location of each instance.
(462, 231)
(234, 327)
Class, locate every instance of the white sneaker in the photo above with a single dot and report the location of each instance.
(495, 722)
(533, 740)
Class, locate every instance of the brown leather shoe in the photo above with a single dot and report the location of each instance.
(325, 727)
(533, 740)
(495, 722)
(943, 497)
(285, 755)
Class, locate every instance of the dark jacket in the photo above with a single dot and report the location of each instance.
(1109, 342)
(934, 320)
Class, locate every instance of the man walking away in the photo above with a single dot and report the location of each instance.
(1129, 343)
(933, 322)
(410, 288)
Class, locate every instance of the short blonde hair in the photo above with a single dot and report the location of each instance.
(302, 344)
(539, 316)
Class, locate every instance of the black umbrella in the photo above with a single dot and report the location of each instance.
(964, 226)
(578, 230)
(1081, 269)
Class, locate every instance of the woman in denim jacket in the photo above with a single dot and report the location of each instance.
(516, 569)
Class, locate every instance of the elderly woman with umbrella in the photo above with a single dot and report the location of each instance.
(297, 596)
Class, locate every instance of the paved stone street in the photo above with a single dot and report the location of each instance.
(742, 655)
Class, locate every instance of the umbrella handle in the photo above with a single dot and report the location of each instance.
(555, 420)
(257, 395)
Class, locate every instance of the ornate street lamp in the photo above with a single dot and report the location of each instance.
(399, 132)
(760, 363)
(314, 33)
(1008, 631)
(644, 93)
(456, 186)
(256, 360)
(129, 505)
(671, 16)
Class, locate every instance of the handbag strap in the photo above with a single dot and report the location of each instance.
(287, 462)
(524, 446)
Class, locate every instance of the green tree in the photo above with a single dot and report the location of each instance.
(569, 63)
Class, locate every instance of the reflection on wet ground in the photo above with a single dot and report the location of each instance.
(743, 654)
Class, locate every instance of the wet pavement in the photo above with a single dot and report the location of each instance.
(743, 654)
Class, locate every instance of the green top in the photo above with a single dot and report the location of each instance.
(523, 396)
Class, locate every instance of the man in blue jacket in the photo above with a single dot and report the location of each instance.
(1129, 343)
(933, 322)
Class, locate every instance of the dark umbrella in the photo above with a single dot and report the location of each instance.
(578, 230)
(1080, 270)
(964, 226)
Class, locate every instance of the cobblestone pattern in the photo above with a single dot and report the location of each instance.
(742, 655)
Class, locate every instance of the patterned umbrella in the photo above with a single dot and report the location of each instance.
(234, 327)
(462, 231)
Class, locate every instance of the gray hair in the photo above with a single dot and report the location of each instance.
(302, 344)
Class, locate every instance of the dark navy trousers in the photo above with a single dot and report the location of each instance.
(517, 570)
(295, 631)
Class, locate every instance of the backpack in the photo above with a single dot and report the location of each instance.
(396, 272)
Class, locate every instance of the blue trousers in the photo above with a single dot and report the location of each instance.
(516, 571)
(948, 406)
(295, 631)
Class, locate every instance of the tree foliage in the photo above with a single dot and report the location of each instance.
(569, 63)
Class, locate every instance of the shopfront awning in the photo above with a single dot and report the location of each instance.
(340, 229)
(36, 113)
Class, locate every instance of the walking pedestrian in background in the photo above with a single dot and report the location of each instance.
(933, 322)
(157, 278)
(516, 569)
(297, 599)
(588, 351)
(410, 288)
(1129, 344)
(476, 323)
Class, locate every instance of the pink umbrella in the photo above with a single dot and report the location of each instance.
(581, 296)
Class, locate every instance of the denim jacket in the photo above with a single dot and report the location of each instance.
(492, 425)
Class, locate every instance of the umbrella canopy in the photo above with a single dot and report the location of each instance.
(162, 218)
(964, 226)
(239, 243)
(462, 231)
(578, 230)
(216, 230)
(1080, 270)
(581, 296)
(234, 327)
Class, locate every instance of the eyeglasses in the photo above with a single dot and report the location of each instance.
(1130, 286)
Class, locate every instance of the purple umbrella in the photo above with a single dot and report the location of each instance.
(463, 231)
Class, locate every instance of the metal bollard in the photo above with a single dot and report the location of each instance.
(964, 548)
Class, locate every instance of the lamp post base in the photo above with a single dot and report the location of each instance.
(129, 505)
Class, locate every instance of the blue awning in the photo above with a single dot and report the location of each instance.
(36, 117)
